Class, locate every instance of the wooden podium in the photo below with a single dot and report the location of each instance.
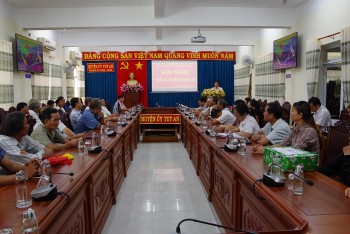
(131, 99)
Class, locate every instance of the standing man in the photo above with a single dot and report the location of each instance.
(322, 116)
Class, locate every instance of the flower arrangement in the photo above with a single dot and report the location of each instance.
(131, 88)
(213, 93)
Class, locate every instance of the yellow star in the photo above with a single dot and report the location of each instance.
(139, 65)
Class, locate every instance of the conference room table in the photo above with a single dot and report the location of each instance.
(227, 179)
(92, 190)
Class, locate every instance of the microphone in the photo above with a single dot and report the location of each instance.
(178, 230)
(64, 173)
(309, 182)
(273, 180)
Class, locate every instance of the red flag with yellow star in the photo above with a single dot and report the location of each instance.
(139, 68)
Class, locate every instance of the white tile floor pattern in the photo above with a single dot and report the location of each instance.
(160, 190)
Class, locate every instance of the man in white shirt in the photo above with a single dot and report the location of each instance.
(276, 129)
(34, 108)
(226, 118)
(322, 116)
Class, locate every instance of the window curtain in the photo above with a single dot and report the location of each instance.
(6, 74)
(345, 66)
(55, 81)
(80, 82)
(242, 81)
(269, 83)
(313, 62)
(40, 84)
(70, 83)
(101, 85)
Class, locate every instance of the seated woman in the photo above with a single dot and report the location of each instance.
(15, 141)
(248, 125)
(255, 111)
(29, 169)
(304, 136)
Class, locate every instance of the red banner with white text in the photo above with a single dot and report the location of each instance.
(158, 55)
(139, 68)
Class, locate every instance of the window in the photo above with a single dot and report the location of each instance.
(331, 82)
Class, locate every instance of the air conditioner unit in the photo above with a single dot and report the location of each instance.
(47, 43)
(75, 55)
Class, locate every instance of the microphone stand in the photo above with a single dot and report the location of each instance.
(309, 182)
(63, 173)
(178, 230)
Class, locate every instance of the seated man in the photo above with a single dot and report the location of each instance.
(91, 118)
(322, 116)
(275, 130)
(88, 101)
(119, 107)
(75, 114)
(15, 141)
(226, 118)
(47, 133)
(29, 169)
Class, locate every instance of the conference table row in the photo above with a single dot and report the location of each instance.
(227, 178)
(92, 190)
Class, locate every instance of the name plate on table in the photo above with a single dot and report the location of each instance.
(160, 119)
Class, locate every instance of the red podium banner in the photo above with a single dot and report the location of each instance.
(160, 119)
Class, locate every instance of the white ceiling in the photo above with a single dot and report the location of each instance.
(169, 3)
(155, 24)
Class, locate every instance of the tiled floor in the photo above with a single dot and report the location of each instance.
(160, 190)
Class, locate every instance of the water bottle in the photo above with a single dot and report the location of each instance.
(81, 146)
(103, 131)
(290, 184)
(22, 199)
(298, 182)
(213, 133)
(46, 177)
(276, 169)
(30, 223)
(242, 146)
(204, 124)
(93, 139)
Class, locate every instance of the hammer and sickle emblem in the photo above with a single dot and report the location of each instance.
(124, 65)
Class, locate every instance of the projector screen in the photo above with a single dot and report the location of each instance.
(174, 76)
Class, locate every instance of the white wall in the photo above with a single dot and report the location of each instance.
(317, 18)
(9, 26)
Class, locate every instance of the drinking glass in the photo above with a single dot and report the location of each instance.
(242, 146)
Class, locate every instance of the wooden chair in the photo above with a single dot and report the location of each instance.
(338, 137)
(286, 111)
(31, 123)
(344, 116)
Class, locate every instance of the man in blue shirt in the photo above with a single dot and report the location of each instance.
(91, 118)
(75, 114)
